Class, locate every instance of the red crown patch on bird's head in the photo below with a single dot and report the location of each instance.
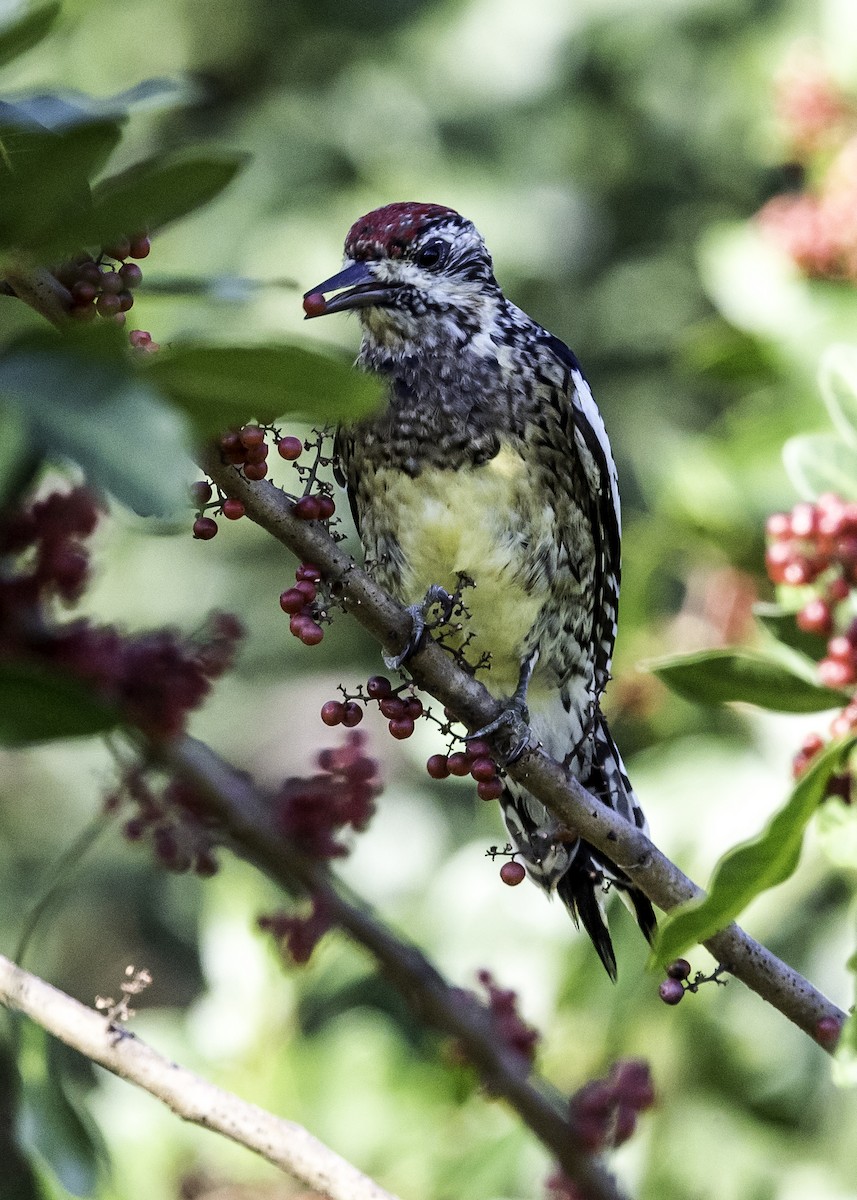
(389, 230)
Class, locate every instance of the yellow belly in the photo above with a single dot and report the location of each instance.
(481, 522)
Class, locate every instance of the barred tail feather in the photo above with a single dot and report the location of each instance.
(580, 885)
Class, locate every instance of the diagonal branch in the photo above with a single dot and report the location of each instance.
(283, 1143)
(435, 671)
(251, 824)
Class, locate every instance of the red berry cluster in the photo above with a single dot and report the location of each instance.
(604, 1112)
(55, 563)
(828, 1031)
(97, 287)
(314, 811)
(299, 935)
(475, 760)
(155, 679)
(246, 448)
(678, 981)
(175, 819)
(510, 1028)
(301, 604)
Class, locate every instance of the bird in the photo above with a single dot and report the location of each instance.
(489, 461)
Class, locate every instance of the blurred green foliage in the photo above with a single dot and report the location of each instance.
(613, 152)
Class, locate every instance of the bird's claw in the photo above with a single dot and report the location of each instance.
(513, 723)
(435, 595)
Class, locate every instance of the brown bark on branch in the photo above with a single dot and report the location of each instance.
(433, 669)
(283, 1143)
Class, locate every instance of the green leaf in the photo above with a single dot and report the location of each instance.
(837, 378)
(782, 624)
(751, 867)
(154, 192)
(218, 386)
(19, 36)
(97, 411)
(821, 462)
(44, 181)
(837, 832)
(51, 1123)
(721, 676)
(38, 705)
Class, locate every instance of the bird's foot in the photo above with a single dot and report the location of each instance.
(513, 724)
(418, 613)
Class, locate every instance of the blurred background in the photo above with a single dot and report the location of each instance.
(615, 155)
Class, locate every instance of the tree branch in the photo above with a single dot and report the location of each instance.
(283, 1143)
(433, 669)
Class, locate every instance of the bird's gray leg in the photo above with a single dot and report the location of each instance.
(515, 717)
(435, 595)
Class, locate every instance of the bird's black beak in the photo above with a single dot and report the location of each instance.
(363, 290)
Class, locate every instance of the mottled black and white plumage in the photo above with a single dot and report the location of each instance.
(491, 460)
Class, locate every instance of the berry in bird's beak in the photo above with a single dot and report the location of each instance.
(361, 290)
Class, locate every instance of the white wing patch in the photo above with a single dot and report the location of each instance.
(584, 401)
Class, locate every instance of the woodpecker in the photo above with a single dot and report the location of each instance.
(490, 460)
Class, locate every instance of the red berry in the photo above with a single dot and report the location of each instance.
(815, 617)
(315, 305)
(332, 712)
(140, 247)
(777, 558)
(200, 492)
(83, 292)
(229, 440)
(326, 507)
(233, 509)
(108, 304)
(680, 969)
(307, 590)
(126, 303)
(459, 764)
(827, 1030)
(89, 273)
(307, 508)
(290, 448)
(671, 991)
(512, 873)
(438, 766)
(393, 708)
(308, 571)
(204, 528)
(838, 589)
(306, 629)
(414, 708)
(483, 769)
(804, 520)
(251, 436)
(401, 727)
(378, 687)
(778, 526)
(292, 601)
(111, 283)
(353, 714)
(131, 275)
(477, 748)
(256, 470)
(834, 673)
(120, 249)
(490, 789)
(841, 648)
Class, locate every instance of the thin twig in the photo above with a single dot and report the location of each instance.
(283, 1143)
(435, 671)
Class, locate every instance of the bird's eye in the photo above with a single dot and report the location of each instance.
(432, 254)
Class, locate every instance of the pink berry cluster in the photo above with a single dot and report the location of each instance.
(313, 812)
(604, 1112)
(474, 760)
(401, 708)
(301, 603)
(97, 286)
(174, 819)
(299, 935)
(509, 1026)
(813, 111)
(815, 545)
(817, 228)
(154, 679)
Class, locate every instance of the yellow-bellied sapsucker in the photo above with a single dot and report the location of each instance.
(490, 460)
